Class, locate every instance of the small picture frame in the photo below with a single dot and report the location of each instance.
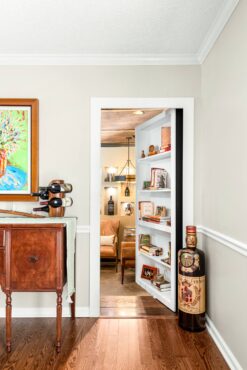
(161, 211)
(146, 208)
(149, 272)
(127, 208)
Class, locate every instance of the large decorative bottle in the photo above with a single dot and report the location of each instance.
(110, 207)
(191, 284)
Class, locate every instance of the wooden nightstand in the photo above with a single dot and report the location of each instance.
(32, 259)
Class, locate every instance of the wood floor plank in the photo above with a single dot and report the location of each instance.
(122, 350)
(146, 359)
(110, 358)
(134, 358)
(109, 344)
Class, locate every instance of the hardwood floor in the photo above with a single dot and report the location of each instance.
(137, 307)
(93, 344)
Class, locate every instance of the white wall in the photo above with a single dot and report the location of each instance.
(222, 179)
(64, 94)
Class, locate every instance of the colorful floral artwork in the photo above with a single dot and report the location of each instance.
(15, 150)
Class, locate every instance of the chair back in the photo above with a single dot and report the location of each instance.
(109, 227)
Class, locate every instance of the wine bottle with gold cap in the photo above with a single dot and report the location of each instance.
(191, 284)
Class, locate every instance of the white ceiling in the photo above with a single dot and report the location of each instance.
(144, 31)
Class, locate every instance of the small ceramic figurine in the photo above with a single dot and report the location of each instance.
(143, 154)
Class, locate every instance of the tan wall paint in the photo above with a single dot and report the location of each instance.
(64, 94)
(222, 178)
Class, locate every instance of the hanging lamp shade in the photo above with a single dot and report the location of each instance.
(128, 171)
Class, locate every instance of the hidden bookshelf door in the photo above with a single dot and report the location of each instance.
(149, 133)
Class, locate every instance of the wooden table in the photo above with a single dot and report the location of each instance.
(33, 259)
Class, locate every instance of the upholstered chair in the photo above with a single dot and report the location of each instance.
(109, 240)
(127, 254)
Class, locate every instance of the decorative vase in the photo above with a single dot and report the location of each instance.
(3, 162)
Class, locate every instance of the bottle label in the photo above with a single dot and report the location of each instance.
(189, 261)
(191, 294)
(191, 240)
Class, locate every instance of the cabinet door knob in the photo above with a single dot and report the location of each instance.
(33, 259)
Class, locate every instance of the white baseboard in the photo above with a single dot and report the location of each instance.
(44, 312)
(222, 346)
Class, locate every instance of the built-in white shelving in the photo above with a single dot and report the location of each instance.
(156, 259)
(152, 225)
(155, 157)
(149, 133)
(166, 190)
(163, 297)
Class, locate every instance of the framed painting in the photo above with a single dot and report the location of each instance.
(18, 149)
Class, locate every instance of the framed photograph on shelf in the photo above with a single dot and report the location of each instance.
(18, 149)
(161, 211)
(158, 178)
(127, 208)
(146, 208)
(149, 272)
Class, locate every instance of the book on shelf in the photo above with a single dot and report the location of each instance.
(165, 150)
(162, 286)
(156, 219)
(144, 239)
(151, 250)
(165, 139)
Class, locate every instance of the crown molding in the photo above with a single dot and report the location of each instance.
(97, 59)
(216, 29)
(127, 59)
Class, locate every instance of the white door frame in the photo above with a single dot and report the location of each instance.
(187, 104)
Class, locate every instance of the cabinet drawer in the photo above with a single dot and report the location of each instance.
(33, 259)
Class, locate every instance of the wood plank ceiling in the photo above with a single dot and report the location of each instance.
(118, 124)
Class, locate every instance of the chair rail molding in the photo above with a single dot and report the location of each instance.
(229, 357)
(223, 239)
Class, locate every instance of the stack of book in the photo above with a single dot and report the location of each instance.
(151, 250)
(156, 219)
(161, 286)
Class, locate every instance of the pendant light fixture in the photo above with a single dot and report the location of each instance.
(127, 173)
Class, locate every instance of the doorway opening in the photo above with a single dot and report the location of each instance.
(140, 176)
(119, 292)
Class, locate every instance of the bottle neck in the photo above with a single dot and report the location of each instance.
(191, 241)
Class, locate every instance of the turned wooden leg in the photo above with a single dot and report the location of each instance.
(122, 269)
(116, 263)
(59, 321)
(72, 306)
(8, 321)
